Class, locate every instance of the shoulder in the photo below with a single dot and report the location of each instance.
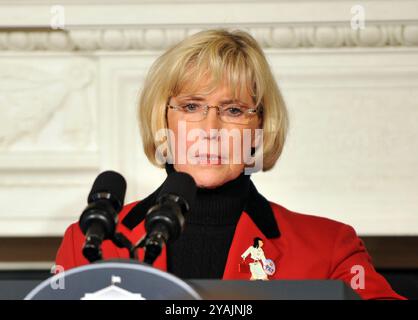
(73, 235)
(74, 232)
(69, 254)
(283, 213)
(308, 225)
(323, 241)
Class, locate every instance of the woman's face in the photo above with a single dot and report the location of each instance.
(260, 243)
(212, 173)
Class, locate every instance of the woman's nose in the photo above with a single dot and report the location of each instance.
(212, 120)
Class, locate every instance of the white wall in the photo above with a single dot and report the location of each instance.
(68, 98)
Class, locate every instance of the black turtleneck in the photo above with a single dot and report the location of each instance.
(202, 249)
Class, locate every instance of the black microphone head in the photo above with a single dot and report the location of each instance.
(180, 184)
(111, 183)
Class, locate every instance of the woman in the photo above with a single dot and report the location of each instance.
(259, 260)
(200, 102)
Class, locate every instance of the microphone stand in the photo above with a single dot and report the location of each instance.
(152, 249)
(121, 241)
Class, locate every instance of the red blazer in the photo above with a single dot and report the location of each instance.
(308, 247)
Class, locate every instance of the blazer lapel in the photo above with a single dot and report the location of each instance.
(245, 233)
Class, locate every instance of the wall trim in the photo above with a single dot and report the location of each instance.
(279, 37)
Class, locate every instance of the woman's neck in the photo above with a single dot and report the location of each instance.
(222, 205)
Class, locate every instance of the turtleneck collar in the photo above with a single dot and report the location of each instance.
(238, 193)
(222, 205)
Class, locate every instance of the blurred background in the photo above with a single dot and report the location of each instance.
(71, 72)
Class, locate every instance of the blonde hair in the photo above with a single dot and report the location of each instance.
(231, 56)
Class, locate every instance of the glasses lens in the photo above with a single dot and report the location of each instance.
(193, 112)
(235, 114)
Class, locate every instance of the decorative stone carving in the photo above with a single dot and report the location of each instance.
(30, 96)
(280, 37)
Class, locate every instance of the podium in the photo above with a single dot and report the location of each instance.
(122, 280)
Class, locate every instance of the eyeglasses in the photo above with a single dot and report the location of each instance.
(228, 113)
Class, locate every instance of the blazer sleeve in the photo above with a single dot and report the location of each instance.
(352, 264)
(69, 254)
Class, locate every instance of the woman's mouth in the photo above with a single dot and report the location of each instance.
(209, 159)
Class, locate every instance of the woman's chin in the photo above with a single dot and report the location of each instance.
(207, 176)
(210, 177)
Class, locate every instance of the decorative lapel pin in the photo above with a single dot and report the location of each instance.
(260, 268)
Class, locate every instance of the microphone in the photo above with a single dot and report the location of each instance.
(164, 221)
(99, 219)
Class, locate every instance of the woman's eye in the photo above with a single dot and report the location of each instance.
(191, 107)
(234, 111)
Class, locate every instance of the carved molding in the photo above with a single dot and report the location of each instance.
(280, 37)
(32, 95)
